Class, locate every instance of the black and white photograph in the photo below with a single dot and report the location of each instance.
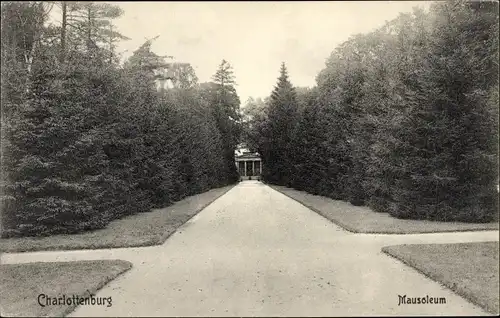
(249, 158)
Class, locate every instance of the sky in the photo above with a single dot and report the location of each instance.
(255, 37)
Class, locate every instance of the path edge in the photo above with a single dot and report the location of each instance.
(317, 211)
(164, 237)
(154, 241)
(471, 299)
(99, 286)
(351, 229)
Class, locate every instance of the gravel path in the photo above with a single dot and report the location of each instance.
(256, 252)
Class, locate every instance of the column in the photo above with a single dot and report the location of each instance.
(253, 168)
(245, 168)
(260, 167)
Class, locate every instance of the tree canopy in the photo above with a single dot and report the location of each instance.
(88, 140)
(403, 119)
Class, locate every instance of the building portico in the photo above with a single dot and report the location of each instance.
(248, 165)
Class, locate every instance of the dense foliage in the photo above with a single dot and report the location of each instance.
(282, 114)
(86, 140)
(403, 119)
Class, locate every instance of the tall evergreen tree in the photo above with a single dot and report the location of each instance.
(88, 24)
(226, 111)
(278, 147)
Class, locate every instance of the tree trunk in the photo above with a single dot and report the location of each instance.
(89, 28)
(111, 44)
(63, 30)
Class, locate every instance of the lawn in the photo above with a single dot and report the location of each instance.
(361, 219)
(21, 285)
(469, 269)
(143, 229)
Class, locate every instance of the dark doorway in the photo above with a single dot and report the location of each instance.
(250, 168)
(241, 168)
